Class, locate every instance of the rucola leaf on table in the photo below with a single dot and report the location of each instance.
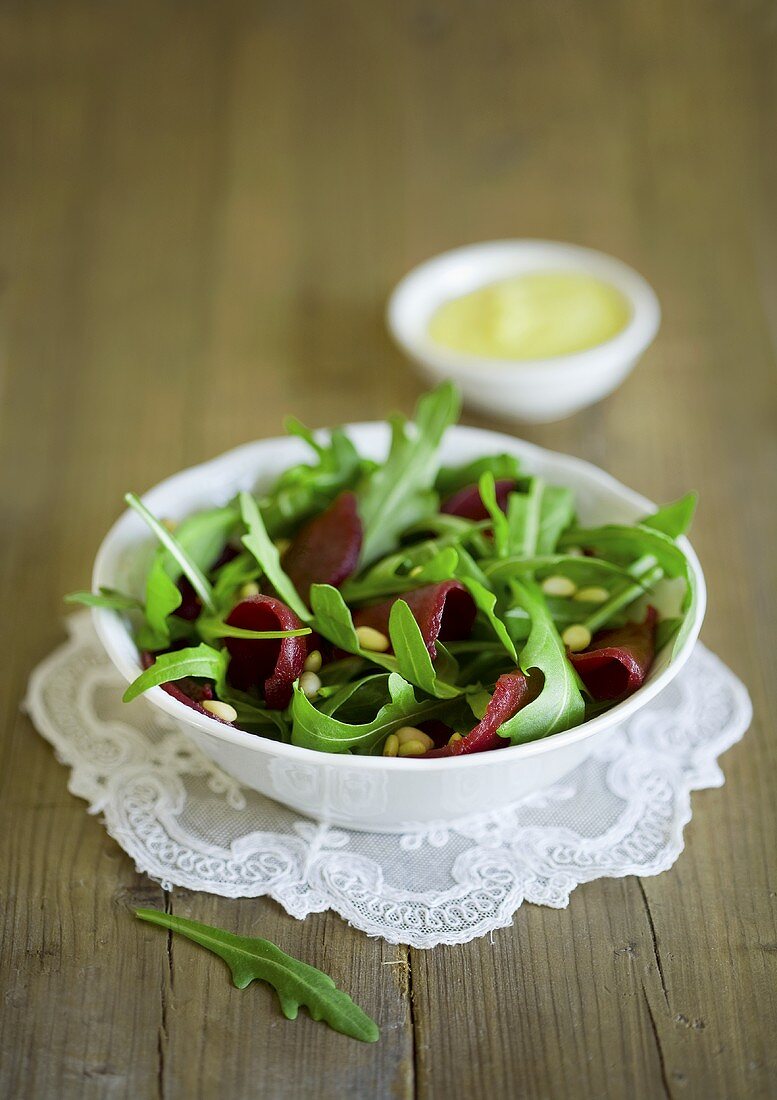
(296, 983)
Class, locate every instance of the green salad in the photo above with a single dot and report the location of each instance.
(403, 608)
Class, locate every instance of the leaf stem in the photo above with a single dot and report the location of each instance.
(197, 578)
(645, 572)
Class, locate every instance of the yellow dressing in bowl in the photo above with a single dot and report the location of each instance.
(539, 315)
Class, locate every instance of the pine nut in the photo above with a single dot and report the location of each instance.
(558, 586)
(411, 733)
(249, 589)
(576, 637)
(369, 638)
(454, 737)
(220, 710)
(391, 745)
(412, 748)
(313, 661)
(309, 684)
(594, 594)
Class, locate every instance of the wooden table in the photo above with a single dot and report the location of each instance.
(204, 207)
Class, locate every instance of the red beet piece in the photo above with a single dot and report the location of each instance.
(187, 690)
(617, 661)
(468, 504)
(269, 664)
(512, 692)
(191, 604)
(445, 611)
(326, 550)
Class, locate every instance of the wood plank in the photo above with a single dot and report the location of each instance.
(201, 213)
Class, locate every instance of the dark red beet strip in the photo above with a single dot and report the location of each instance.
(468, 504)
(617, 661)
(326, 550)
(269, 664)
(512, 692)
(445, 611)
(186, 690)
(191, 604)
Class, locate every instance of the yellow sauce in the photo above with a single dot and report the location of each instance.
(535, 316)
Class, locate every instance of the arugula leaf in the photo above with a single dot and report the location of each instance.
(296, 984)
(485, 601)
(204, 535)
(427, 563)
(502, 568)
(212, 628)
(666, 630)
(399, 493)
(647, 542)
(201, 660)
(487, 488)
(231, 577)
(673, 519)
(303, 490)
(163, 597)
(188, 566)
(412, 656)
(560, 703)
(523, 519)
(313, 729)
(645, 572)
(333, 617)
(252, 713)
(106, 597)
(501, 467)
(537, 516)
(333, 620)
(557, 511)
(356, 695)
(259, 543)
(637, 541)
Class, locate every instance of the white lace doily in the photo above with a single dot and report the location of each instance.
(186, 823)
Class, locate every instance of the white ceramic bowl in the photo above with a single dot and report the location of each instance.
(539, 390)
(372, 792)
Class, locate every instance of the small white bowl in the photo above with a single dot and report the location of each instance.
(370, 792)
(538, 390)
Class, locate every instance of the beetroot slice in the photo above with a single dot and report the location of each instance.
(326, 550)
(617, 661)
(512, 692)
(445, 611)
(186, 690)
(269, 664)
(191, 604)
(468, 504)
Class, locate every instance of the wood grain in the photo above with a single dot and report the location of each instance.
(202, 210)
